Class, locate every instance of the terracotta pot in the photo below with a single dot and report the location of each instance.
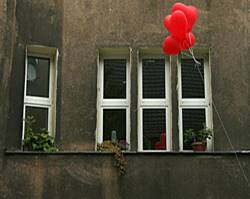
(199, 146)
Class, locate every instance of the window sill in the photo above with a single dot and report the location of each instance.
(214, 153)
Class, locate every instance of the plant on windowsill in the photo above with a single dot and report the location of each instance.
(37, 141)
(116, 148)
(198, 139)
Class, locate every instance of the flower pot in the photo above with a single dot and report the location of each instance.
(199, 146)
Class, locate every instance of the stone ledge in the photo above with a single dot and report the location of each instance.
(215, 153)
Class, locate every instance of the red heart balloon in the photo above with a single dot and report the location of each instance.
(192, 16)
(191, 13)
(167, 22)
(179, 6)
(177, 24)
(171, 46)
(188, 42)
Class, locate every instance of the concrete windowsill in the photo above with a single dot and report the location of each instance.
(13, 152)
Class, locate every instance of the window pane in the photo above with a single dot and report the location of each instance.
(38, 72)
(193, 119)
(154, 129)
(114, 124)
(40, 116)
(192, 81)
(153, 78)
(115, 78)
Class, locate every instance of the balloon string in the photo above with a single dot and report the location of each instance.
(192, 51)
(192, 54)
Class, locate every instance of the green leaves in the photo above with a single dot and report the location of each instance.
(37, 141)
(197, 136)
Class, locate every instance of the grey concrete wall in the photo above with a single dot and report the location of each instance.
(7, 35)
(40, 23)
(229, 41)
(93, 176)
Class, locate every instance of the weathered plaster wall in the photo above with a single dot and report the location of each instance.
(229, 41)
(93, 176)
(3, 24)
(40, 23)
(7, 33)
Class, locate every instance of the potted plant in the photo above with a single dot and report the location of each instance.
(198, 139)
(37, 141)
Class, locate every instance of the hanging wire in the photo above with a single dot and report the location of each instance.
(197, 64)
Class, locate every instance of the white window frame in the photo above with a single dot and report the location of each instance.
(196, 103)
(102, 103)
(162, 103)
(42, 102)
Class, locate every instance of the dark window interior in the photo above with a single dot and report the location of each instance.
(153, 78)
(154, 129)
(40, 115)
(115, 78)
(38, 73)
(114, 124)
(192, 77)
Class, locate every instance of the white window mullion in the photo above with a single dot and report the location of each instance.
(180, 123)
(128, 127)
(168, 129)
(210, 146)
(37, 100)
(117, 103)
(155, 102)
(140, 129)
(23, 127)
(50, 122)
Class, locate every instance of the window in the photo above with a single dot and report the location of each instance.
(40, 87)
(113, 117)
(194, 97)
(154, 107)
(154, 121)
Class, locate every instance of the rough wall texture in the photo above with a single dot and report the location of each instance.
(230, 70)
(7, 36)
(3, 17)
(93, 176)
(7, 33)
(40, 23)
